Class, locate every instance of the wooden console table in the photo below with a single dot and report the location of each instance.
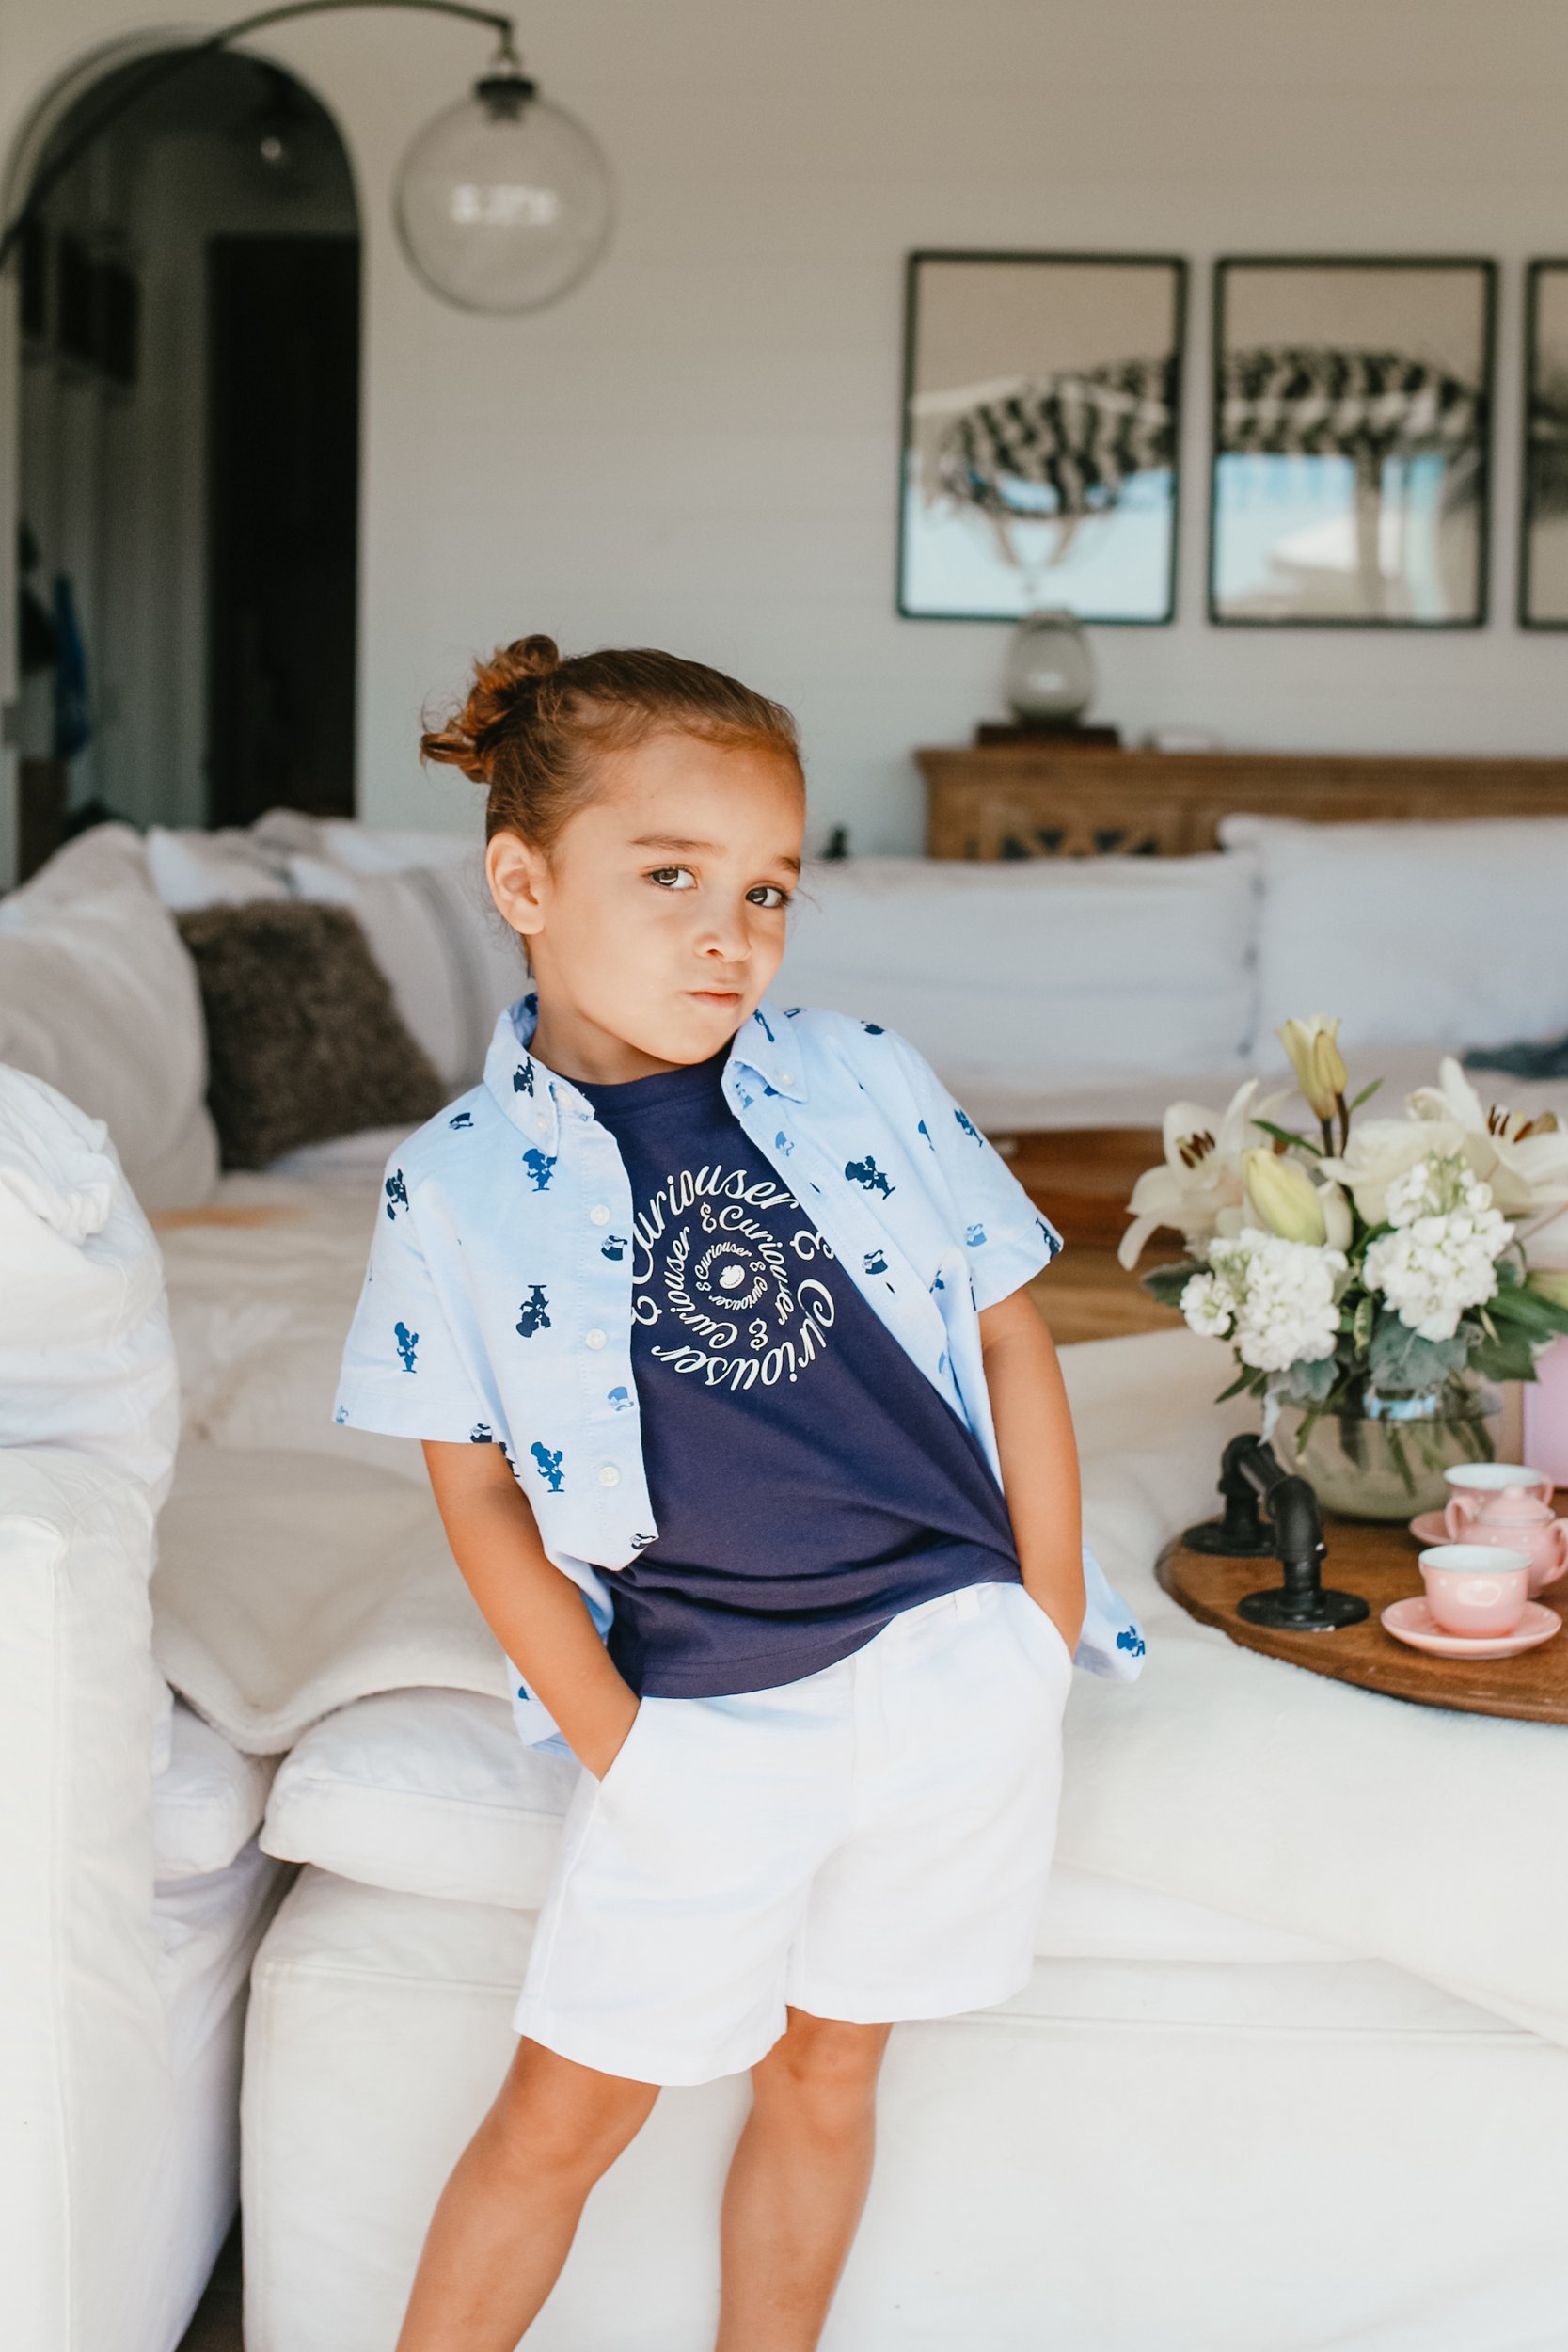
(1058, 798)
(1379, 1563)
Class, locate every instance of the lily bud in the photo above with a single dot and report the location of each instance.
(1285, 1198)
(1550, 1284)
(1315, 1058)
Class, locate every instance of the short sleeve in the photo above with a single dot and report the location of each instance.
(1005, 1239)
(405, 1372)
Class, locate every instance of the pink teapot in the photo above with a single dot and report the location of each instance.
(1503, 1504)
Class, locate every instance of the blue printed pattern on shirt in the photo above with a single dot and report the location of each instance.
(514, 1186)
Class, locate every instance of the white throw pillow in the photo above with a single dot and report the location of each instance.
(207, 1803)
(105, 857)
(1442, 934)
(99, 998)
(426, 1792)
(229, 868)
(1050, 969)
(87, 1361)
(368, 849)
(451, 962)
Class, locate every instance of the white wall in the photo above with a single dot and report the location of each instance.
(699, 448)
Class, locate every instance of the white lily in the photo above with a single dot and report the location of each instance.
(1287, 1202)
(1524, 1160)
(1312, 1049)
(1380, 1150)
(1200, 1190)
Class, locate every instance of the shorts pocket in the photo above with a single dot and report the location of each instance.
(1038, 1632)
(610, 1780)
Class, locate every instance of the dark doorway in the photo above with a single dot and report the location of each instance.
(187, 397)
(284, 412)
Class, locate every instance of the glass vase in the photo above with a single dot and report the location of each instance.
(1386, 1460)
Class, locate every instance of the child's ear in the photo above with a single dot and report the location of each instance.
(516, 874)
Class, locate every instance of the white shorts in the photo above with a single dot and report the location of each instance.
(870, 1843)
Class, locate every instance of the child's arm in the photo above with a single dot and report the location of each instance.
(536, 1613)
(1039, 1458)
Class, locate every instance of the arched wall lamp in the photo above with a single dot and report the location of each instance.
(503, 203)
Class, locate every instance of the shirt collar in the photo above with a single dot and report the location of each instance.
(535, 1098)
(766, 1045)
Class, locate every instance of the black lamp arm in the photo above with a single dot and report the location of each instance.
(168, 64)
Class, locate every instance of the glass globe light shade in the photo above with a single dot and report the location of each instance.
(1047, 677)
(503, 201)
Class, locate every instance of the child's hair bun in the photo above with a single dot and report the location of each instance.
(470, 736)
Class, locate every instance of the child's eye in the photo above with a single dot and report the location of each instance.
(673, 877)
(768, 894)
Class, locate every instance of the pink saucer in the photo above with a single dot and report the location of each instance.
(1428, 1527)
(1412, 1621)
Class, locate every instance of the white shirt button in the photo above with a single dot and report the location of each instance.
(599, 1216)
(609, 1475)
(596, 1339)
(541, 1122)
(787, 1077)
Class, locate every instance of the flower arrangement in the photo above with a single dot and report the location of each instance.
(1380, 1268)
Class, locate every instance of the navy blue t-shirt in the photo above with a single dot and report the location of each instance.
(808, 1481)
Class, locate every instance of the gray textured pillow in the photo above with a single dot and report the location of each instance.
(304, 1041)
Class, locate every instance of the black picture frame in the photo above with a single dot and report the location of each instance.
(928, 258)
(1537, 274)
(1486, 272)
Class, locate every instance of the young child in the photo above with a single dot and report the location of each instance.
(710, 1311)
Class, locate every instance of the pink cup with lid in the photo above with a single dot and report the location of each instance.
(1477, 1486)
(1476, 1590)
(1505, 1504)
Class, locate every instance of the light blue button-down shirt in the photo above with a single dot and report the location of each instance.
(498, 1301)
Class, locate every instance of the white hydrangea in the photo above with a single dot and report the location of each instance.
(1440, 1260)
(1277, 1301)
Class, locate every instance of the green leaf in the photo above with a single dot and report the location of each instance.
(1529, 1311)
(1510, 1356)
(1311, 1383)
(1166, 1283)
(1404, 1364)
(1287, 1135)
(1365, 1096)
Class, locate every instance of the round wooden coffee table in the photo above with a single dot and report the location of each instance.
(1379, 1563)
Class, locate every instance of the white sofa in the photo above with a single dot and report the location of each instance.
(1262, 2086)
(135, 1890)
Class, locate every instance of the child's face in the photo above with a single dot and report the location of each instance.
(658, 921)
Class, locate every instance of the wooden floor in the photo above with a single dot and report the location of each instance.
(1081, 1178)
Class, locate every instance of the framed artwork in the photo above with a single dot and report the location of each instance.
(1041, 427)
(1543, 509)
(1353, 406)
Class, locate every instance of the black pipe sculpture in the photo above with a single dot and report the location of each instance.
(1253, 1485)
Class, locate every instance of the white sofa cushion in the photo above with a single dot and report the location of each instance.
(430, 1792)
(227, 868)
(426, 1792)
(98, 997)
(1054, 970)
(207, 1803)
(87, 1361)
(1449, 935)
(88, 2102)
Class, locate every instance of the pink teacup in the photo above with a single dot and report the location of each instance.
(1505, 1505)
(1472, 1485)
(1476, 1589)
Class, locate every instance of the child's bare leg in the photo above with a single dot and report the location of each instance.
(798, 2182)
(506, 2219)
